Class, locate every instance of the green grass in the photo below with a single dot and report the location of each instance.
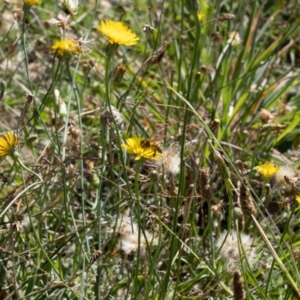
(64, 238)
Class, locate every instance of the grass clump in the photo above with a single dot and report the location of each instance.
(149, 150)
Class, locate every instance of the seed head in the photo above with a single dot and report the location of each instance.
(233, 249)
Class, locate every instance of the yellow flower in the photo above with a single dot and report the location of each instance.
(65, 47)
(200, 16)
(142, 148)
(8, 142)
(31, 2)
(118, 33)
(267, 170)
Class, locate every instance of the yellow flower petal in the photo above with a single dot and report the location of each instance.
(118, 33)
(298, 198)
(200, 16)
(267, 170)
(142, 148)
(31, 2)
(8, 142)
(65, 48)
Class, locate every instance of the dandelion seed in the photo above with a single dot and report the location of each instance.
(170, 160)
(234, 38)
(283, 175)
(118, 33)
(8, 143)
(267, 170)
(31, 2)
(65, 48)
(129, 237)
(142, 148)
(233, 248)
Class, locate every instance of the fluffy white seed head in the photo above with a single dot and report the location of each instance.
(235, 249)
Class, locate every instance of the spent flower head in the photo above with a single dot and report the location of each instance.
(142, 148)
(129, 241)
(234, 248)
(111, 115)
(60, 21)
(170, 160)
(65, 48)
(287, 180)
(284, 178)
(8, 143)
(283, 174)
(234, 38)
(69, 6)
(118, 33)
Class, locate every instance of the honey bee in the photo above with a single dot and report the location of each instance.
(154, 145)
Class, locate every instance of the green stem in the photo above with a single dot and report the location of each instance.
(138, 217)
(26, 10)
(29, 170)
(276, 257)
(108, 73)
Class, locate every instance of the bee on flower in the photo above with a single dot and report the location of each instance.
(142, 148)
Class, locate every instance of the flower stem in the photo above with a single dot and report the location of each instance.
(29, 170)
(26, 10)
(138, 217)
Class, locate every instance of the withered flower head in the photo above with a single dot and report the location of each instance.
(233, 249)
(129, 241)
(170, 160)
